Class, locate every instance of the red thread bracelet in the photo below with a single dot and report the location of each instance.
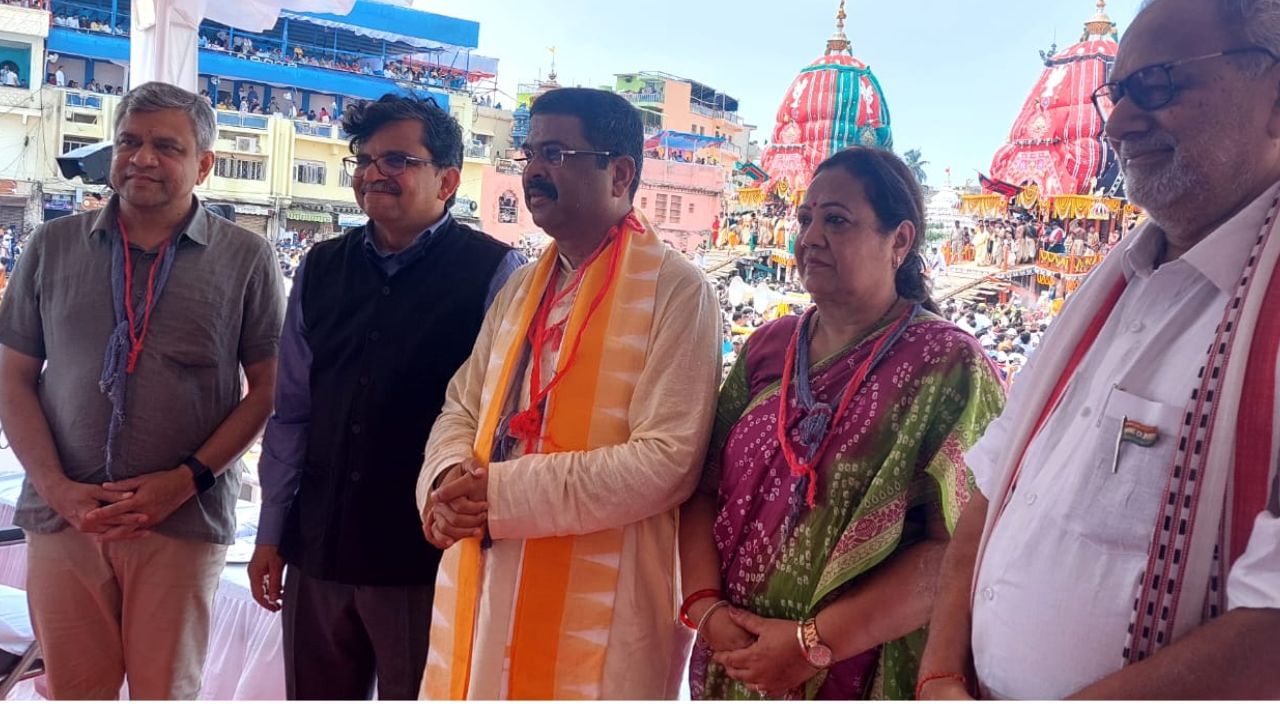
(689, 601)
(940, 676)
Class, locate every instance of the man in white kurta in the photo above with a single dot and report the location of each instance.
(1057, 583)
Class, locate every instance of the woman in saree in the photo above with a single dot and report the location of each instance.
(811, 548)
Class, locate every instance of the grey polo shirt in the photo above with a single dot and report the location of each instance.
(222, 308)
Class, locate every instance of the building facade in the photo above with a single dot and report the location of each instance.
(278, 97)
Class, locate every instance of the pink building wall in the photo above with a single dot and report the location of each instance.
(494, 185)
(700, 189)
(701, 192)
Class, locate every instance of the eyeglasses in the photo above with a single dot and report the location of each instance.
(391, 164)
(554, 155)
(1152, 87)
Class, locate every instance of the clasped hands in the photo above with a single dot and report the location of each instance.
(762, 653)
(458, 507)
(122, 510)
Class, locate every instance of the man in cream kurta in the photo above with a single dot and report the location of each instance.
(635, 486)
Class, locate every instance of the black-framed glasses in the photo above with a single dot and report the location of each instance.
(554, 155)
(1152, 87)
(391, 164)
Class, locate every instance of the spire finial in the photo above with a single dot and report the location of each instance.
(839, 42)
(1100, 24)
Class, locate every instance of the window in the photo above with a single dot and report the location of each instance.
(344, 177)
(644, 202)
(237, 169)
(673, 209)
(508, 208)
(660, 208)
(71, 142)
(309, 173)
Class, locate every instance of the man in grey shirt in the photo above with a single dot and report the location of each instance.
(124, 334)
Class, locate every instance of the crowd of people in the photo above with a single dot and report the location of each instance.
(490, 479)
(768, 228)
(1010, 242)
(274, 51)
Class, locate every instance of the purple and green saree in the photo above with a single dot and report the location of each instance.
(896, 461)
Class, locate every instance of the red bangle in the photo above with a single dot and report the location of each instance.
(940, 676)
(689, 601)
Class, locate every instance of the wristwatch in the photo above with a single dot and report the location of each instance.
(204, 477)
(816, 653)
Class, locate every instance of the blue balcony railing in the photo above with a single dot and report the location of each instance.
(87, 100)
(245, 120)
(313, 129)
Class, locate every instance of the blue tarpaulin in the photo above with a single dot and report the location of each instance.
(672, 140)
(393, 23)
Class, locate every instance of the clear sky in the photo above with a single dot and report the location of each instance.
(955, 72)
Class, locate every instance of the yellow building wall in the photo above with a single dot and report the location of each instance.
(328, 153)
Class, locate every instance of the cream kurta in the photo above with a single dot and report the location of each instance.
(637, 486)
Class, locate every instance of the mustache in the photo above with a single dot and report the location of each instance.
(383, 186)
(1151, 142)
(541, 186)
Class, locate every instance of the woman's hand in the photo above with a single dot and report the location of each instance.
(945, 689)
(774, 663)
(722, 634)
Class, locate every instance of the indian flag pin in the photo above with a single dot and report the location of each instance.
(1132, 431)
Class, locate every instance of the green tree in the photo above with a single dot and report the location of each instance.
(915, 161)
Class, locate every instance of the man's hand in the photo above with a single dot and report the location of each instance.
(154, 497)
(458, 508)
(774, 664)
(75, 502)
(266, 576)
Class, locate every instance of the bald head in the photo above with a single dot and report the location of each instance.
(1215, 146)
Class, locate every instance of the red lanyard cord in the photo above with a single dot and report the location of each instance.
(138, 338)
(527, 424)
(809, 467)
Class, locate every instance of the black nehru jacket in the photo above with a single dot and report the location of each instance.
(383, 352)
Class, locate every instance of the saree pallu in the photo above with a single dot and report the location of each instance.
(895, 461)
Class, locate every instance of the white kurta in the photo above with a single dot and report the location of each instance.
(1061, 570)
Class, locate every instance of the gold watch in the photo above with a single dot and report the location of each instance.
(815, 652)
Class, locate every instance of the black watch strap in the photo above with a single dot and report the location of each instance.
(204, 477)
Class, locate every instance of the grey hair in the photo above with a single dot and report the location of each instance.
(156, 96)
(1257, 22)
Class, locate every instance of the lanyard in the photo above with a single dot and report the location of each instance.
(138, 336)
(527, 424)
(808, 468)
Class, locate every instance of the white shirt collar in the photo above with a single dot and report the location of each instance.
(1220, 257)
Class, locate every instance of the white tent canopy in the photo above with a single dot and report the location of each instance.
(163, 39)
